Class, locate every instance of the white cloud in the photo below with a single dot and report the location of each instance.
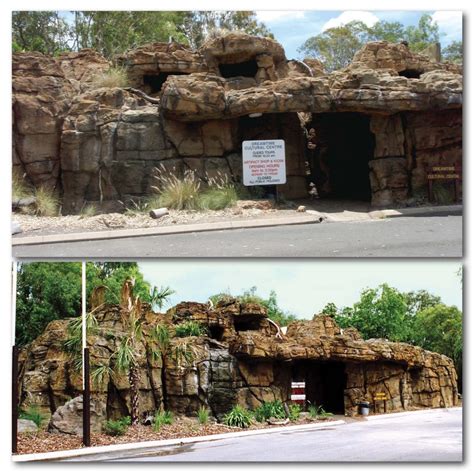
(273, 16)
(450, 23)
(346, 17)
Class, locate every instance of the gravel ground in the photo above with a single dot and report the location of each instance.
(35, 225)
(42, 441)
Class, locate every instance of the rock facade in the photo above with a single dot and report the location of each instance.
(244, 359)
(101, 145)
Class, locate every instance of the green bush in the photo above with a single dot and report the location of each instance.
(178, 193)
(268, 410)
(313, 411)
(203, 415)
(295, 411)
(189, 328)
(114, 77)
(218, 198)
(117, 427)
(162, 418)
(34, 414)
(238, 417)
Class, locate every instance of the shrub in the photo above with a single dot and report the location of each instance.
(20, 188)
(270, 410)
(238, 417)
(47, 204)
(313, 411)
(295, 411)
(114, 77)
(178, 193)
(34, 414)
(218, 198)
(88, 210)
(203, 415)
(189, 328)
(162, 418)
(323, 414)
(117, 427)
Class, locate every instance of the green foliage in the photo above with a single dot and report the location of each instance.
(203, 415)
(313, 411)
(47, 203)
(336, 47)
(114, 77)
(178, 193)
(33, 413)
(117, 427)
(20, 188)
(330, 310)
(453, 52)
(238, 417)
(268, 410)
(189, 328)
(88, 210)
(295, 412)
(215, 198)
(162, 418)
(323, 414)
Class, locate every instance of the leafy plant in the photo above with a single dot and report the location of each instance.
(114, 77)
(47, 204)
(295, 412)
(117, 427)
(203, 415)
(323, 414)
(33, 413)
(313, 411)
(268, 410)
(238, 417)
(189, 328)
(162, 417)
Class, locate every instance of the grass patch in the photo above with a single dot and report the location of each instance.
(89, 210)
(238, 417)
(218, 198)
(203, 416)
(20, 188)
(47, 203)
(162, 418)
(33, 413)
(117, 427)
(180, 194)
(270, 410)
(114, 77)
(189, 328)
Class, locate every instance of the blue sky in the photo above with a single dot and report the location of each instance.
(293, 28)
(303, 286)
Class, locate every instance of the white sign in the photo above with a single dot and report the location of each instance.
(263, 162)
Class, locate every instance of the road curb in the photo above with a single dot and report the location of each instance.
(455, 210)
(409, 412)
(176, 229)
(148, 445)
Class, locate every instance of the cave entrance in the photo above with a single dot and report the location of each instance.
(243, 69)
(339, 163)
(242, 323)
(325, 383)
(411, 73)
(154, 82)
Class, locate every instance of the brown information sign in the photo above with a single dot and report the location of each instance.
(444, 173)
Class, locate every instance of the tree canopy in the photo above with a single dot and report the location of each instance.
(336, 47)
(114, 32)
(47, 291)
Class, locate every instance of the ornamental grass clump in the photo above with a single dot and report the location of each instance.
(203, 416)
(114, 77)
(238, 417)
(47, 203)
(33, 414)
(269, 410)
(189, 328)
(117, 427)
(162, 417)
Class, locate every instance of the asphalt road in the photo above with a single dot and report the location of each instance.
(394, 237)
(424, 436)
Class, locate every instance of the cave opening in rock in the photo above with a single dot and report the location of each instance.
(325, 383)
(242, 323)
(243, 69)
(411, 73)
(154, 82)
(339, 162)
(216, 332)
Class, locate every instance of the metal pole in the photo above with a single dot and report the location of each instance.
(86, 392)
(14, 364)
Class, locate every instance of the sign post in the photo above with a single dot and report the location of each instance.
(86, 390)
(381, 396)
(263, 162)
(14, 364)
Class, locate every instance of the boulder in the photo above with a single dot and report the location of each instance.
(27, 426)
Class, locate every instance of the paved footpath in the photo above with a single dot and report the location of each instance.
(423, 436)
(435, 236)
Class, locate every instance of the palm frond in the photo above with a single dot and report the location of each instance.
(159, 296)
(100, 372)
(125, 355)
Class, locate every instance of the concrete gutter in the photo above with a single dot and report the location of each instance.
(308, 217)
(98, 453)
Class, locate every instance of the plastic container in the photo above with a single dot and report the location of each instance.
(364, 408)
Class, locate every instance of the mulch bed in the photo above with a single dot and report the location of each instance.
(42, 441)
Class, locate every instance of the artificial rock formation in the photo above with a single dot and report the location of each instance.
(244, 359)
(380, 123)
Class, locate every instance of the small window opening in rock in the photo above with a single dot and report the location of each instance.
(154, 82)
(251, 324)
(411, 73)
(245, 69)
(216, 332)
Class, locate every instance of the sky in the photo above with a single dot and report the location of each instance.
(303, 287)
(293, 28)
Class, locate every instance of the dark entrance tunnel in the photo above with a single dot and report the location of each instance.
(340, 162)
(244, 69)
(325, 383)
(154, 82)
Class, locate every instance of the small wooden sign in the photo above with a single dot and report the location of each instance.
(444, 173)
(380, 396)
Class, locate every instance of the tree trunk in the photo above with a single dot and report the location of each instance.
(134, 379)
